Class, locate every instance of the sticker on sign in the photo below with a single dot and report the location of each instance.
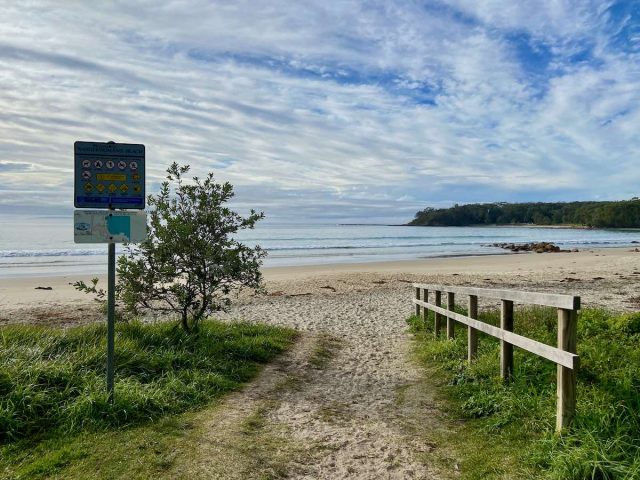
(104, 226)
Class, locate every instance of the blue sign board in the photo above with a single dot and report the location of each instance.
(109, 175)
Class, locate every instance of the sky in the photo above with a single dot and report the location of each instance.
(327, 111)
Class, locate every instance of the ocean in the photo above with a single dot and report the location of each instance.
(40, 245)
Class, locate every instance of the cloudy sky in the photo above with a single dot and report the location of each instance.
(330, 110)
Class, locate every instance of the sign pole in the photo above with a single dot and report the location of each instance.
(111, 321)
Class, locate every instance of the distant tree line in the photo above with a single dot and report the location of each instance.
(619, 214)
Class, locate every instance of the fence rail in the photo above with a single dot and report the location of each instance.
(564, 355)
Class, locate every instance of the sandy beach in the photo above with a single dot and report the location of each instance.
(603, 277)
(347, 418)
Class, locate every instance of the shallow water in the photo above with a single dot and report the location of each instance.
(44, 245)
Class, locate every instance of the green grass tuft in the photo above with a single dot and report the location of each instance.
(52, 380)
(604, 440)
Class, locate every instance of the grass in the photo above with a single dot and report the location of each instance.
(324, 351)
(509, 428)
(53, 405)
(247, 441)
(145, 451)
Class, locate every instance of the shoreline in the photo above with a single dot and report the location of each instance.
(447, 261)
(341, 266)
(490, 263)
(525, 225)
(22, 275)
(567, 226)
(611, 274)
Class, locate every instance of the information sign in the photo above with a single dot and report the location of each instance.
(109, 175)
(109, 226)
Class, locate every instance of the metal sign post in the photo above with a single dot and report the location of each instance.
(109, 175)
(111, 318)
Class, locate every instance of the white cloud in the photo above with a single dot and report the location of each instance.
(325, 109)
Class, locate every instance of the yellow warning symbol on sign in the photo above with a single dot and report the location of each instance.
(100, 187)
(124, 187)
(114, 177)
(136, 177)
(88, 187)
(137, 188)
(112, 188)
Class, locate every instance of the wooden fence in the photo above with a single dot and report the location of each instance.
(564, 355)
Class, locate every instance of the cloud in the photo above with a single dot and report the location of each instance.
(14, 167)
(329, 109)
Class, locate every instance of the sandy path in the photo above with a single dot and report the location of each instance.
(349, 416)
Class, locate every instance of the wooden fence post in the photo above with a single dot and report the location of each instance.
(506, 349)
(566, 389)
(564, 355)
(451, 305)
(425, 310)
(472, 333)
(438, 316)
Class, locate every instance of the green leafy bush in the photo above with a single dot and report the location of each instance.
(191, 261)
(628, 324)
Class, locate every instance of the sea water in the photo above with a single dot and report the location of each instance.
(43, 245)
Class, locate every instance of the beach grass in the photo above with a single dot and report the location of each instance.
(509, 428)
(54, 409)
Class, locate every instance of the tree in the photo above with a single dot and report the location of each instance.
(190, 262)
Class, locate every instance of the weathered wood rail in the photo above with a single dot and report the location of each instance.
(564, 355)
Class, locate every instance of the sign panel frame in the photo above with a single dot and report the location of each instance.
(109, 175)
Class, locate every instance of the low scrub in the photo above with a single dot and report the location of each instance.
(604, 439)
(52, 381)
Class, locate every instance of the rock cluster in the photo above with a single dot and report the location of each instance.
(538, 247)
